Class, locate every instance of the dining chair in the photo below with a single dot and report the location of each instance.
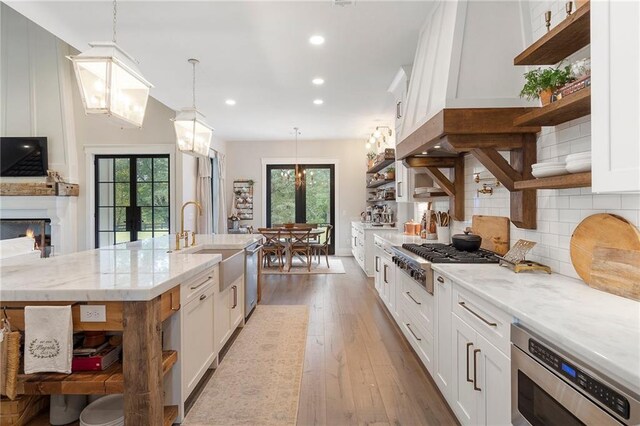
(323, 247)
(300, 245)
(273, 246)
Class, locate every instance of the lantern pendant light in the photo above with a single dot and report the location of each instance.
(110, 82)
(193, 135)
(298, 174)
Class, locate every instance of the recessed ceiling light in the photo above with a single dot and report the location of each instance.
(316, 40)
(424, 153)
(318, 101)
(230, 102)
(318, 81)
(437, 147)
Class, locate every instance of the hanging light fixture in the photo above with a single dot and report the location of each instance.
(193, 135)
(110, 82)
(298, 173)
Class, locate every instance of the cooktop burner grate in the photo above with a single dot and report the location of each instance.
(444, 253)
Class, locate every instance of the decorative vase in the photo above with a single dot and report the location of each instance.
(369, 164)
(545, 96)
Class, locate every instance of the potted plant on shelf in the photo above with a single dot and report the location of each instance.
(390, 174)
(541, 83)
(371, 158)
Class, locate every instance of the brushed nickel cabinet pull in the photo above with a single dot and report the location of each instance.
(409, 294)
(464, 305)
(235, 296)
(468, 378)
(385, 274)
(194, 287)
(377, 267)
(203, 296)
(414, 334)
(441, 280)
(475, 369)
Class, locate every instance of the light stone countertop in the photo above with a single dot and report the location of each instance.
(600, 328)
(368, 226)
(139, 270)
(398, 238)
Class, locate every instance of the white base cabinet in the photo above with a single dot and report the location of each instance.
(199, 348)
(229, 312)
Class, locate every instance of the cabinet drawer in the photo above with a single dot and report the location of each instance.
(492, 323)
(420, 339)
(416, 300)
(190, 289)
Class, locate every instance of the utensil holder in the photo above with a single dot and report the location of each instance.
(444, 234)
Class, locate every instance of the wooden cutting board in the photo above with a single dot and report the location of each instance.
(600, 230)
(494, 231)
(616, 271)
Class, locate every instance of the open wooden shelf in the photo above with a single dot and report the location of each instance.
(380, 183)
(381, 200)
(573, 180)
(429, 196)
(564, 39)
(170, 414)
(570, 107)
(381, 165)
(104, 382)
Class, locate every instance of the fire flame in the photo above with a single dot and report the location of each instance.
(31, 234)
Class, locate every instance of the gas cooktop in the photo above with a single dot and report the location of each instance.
(444, 253)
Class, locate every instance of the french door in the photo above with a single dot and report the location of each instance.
(132, 198)
(311, 202)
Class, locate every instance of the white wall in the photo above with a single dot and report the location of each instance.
(40, 97)
(559, 211)
(245, 159)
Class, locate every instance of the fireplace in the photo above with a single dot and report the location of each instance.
(37, 229)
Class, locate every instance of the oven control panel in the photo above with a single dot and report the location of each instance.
(603, 393)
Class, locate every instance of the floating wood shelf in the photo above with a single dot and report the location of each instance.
(381, 165)
(380, 183)
(109, 381)
(564, 39)
(570, 107)
(574, 180)
(39, 189)
(381, 201)
(429, 196)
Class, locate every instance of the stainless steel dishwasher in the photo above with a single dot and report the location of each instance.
(251, 259)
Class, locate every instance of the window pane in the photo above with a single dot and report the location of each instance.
(318, 198)
(106, 194)
(145, 235)
(106, 219)
(161, 169)
(160, 194)
(283, 196)
(105, 169)
(122, 170)
(160, 233)
(121, 218)
(123, 195)
(147, 218)
(123, 237)
(144, 194)
(143, 166)
(161, 218)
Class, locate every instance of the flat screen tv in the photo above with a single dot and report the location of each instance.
(23, 156)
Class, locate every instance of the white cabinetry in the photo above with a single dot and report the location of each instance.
(385, 274)
(481, 385)
(198, 349)
(442, 334)
(407, 180)
(398, 89)
(615, 91)
(229, 307)
(362, 246)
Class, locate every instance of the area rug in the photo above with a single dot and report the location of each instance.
(335, 267)
(258, 381)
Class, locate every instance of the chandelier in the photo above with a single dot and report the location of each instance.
(298, 173)
(193, 135)
(110, 82)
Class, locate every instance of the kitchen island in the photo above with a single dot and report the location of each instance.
(141, 284)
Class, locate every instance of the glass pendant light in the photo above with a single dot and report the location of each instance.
(298, 173)
(193, 135)
(110, 82)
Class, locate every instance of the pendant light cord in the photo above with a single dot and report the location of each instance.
(194, 84)
(115, 18)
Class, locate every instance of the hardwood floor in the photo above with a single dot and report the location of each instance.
(358, 369)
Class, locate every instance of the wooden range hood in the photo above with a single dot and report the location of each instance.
(481, 132)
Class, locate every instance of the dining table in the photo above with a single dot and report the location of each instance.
(297, 232)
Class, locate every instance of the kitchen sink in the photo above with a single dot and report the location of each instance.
(231, 268)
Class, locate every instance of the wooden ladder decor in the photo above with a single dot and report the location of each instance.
(454, 189)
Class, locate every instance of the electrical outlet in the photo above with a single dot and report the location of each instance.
(93, 313)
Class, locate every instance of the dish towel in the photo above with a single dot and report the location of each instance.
(48, 342)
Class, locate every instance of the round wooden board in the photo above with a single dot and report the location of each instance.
(600, 230)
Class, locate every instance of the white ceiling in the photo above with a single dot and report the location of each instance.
(258, 54)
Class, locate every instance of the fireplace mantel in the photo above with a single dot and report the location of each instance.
(38, 189)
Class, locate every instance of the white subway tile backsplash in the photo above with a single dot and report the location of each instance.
(607, 202)
(630, 201)
(580, 202)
